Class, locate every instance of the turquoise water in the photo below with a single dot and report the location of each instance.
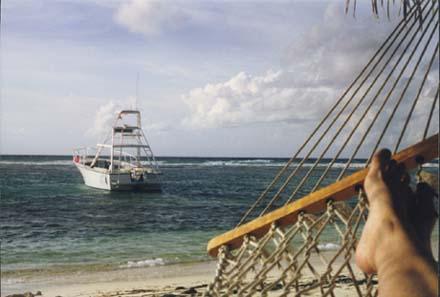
(51, 220)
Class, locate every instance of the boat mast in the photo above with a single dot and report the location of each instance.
(112, 149)
(138, 155)
(137, 91)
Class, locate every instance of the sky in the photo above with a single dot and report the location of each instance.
(216, 78)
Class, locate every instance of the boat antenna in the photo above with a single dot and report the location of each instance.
(137, 91)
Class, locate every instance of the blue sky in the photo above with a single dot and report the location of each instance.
(217, 78)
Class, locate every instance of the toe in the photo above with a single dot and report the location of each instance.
(380, 160)
(378, 165)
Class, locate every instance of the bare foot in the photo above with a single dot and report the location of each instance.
(394, 209)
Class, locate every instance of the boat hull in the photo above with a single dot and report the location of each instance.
(102, 179)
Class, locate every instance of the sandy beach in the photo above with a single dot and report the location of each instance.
(184, 279)
(146, 281)
(189, 279)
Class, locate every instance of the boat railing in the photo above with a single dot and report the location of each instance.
(131, 161)
(121, 160)
(125, 158)
(84, 155)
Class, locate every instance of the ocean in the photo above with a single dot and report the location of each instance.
(51, 221)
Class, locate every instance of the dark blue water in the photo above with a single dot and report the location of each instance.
(50, 219)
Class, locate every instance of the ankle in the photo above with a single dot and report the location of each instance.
(382, 206)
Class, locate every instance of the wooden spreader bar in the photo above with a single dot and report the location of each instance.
(344, 189)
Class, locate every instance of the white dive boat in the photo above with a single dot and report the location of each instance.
(124, 161)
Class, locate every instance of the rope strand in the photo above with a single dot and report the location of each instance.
(408, 117)
(401, 27)
(343, 125)
(428, 122)
(405, 89)
(355, 128)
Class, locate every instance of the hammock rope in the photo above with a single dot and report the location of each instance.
(416, 100)
(286, 252)
(383, 50)
(364, 136)
(387, 98)
(404, 90)
(428, 122)
(344, 124)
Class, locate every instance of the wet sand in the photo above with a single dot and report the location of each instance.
(147, 281)
(182, 280)
(186, 279)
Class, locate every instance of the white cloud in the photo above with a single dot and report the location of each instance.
(332, 52)
(316, 68)
(104, 119)
(106, 115)
(245, 99)
(150, 17)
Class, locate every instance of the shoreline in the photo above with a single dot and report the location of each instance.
(174, 280)
(170, 280)
(125, 281)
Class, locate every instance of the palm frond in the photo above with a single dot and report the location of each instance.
(405, 5)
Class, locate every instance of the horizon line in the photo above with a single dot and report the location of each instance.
(168, 156)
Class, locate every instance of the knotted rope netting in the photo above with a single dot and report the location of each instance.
(300, 235)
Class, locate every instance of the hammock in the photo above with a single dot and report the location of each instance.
(299, 236)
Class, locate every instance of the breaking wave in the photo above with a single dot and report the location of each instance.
(251, 163)
(144, 263)
(328, 246)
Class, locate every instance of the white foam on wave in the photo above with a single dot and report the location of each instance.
(265, 161)
(328, 246)
(431, 165)
(237, 163)
(221, 163)
(12, 281)
(342, 165)
(255, 163)
(144, 263)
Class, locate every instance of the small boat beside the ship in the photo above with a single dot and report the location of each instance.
(124, 161)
